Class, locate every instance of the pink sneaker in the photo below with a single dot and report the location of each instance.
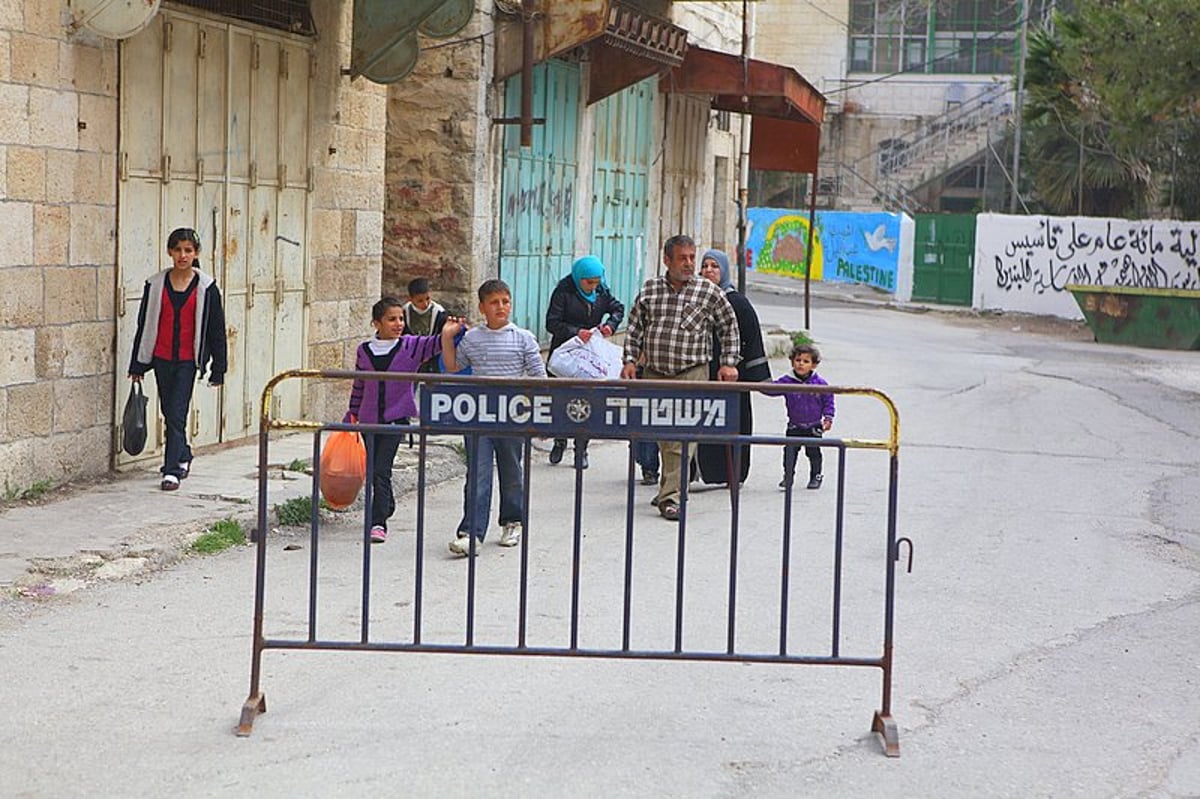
(378, 534)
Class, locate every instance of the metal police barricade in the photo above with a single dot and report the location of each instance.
(633, 411)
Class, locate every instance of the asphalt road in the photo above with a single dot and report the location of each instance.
(1045, 640)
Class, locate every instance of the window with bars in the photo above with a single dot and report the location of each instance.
(963, 37)
(287, 15)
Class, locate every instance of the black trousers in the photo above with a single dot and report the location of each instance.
(383, 500)
(175, 381)
(792, 453)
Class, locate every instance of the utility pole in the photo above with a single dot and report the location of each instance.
(1016, 162)
(744, 152)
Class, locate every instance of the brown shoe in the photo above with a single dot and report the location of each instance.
(669, 509)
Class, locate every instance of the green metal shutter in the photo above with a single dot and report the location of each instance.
(537, 215)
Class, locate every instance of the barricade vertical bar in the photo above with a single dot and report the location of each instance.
(838, 540)
(523, 610)
(313, 538)
(472, 440)
(419, 555)
(685, 469)
(630, 498)
(733, 454)
(883, 723)
(785, 565)
(369, 483)
(256, 702)
(576, 548)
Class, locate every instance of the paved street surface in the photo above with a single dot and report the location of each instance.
(1045, 639)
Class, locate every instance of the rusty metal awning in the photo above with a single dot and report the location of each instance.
(625, 45)
(787, 110)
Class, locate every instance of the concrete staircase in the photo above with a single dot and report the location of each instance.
(888, 178)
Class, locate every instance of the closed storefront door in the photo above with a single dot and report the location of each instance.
(944, 258)
(620, 182)
(683, 170)
(214, 136)
(537, 222)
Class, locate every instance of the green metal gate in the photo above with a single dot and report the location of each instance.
(537, 215)
(620, 181)
(944, 258)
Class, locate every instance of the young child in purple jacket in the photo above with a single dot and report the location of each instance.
(809, 415)
(386, 401)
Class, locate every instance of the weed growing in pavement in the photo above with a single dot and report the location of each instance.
(801, 337)
(35, 491)
(461, 449)
(297, 465)
(294, 512)
(222, 535)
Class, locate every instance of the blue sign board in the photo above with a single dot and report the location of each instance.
(605, 411)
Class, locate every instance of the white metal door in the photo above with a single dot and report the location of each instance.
(214, 132)
(683, 167)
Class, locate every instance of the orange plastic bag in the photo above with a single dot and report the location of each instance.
(343, 468)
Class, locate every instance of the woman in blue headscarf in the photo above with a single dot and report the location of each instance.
(712, 458)
(581, 301)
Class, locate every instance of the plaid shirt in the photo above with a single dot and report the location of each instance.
(674, 329)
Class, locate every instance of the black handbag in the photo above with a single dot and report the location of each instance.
(133, 423)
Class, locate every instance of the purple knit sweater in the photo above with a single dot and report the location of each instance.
(386, 401)
(806, 410)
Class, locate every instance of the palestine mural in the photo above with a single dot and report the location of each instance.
(847, 246)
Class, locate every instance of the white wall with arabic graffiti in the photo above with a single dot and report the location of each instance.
(1023, 263)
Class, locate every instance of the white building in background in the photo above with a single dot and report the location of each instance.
(920, 97)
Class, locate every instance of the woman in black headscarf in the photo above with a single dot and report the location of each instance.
(712, 458)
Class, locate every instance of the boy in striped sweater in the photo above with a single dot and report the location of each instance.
(496, 349)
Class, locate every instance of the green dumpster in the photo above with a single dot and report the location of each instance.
(1166, 319)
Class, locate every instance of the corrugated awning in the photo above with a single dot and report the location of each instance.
(787, 110)
(624, 44)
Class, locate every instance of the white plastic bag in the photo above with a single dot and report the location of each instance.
(598, 359)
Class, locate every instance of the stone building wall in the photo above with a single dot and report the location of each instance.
(58, 123)
(441, 216)
(348, 141)
(58, 229)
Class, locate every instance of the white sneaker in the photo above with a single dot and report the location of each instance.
(461, 545)
(511, 535)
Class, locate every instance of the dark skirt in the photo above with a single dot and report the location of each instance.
(713, 460)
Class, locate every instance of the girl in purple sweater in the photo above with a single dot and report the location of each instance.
(389, 402)
(809, 415)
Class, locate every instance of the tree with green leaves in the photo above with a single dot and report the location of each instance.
(1113, 109)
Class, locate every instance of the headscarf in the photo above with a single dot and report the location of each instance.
(588, 266)
(722, 261)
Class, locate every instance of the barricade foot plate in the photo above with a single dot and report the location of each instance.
(886, 727)
(255, 705)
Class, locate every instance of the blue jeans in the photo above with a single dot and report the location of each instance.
(477, 490)
(175, 381)
(646, 455)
